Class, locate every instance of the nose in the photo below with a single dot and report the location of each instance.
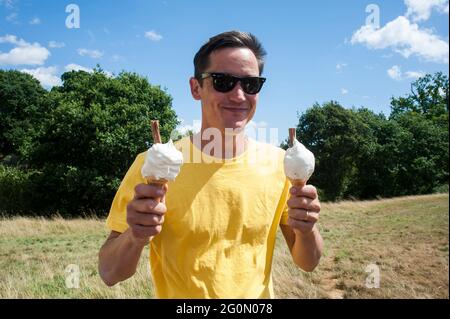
(237, 93)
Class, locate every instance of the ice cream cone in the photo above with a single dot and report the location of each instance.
(298, 161)
(162, 162)
(154, 181)
(297, 182)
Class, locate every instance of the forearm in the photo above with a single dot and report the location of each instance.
(118, 258)
(307, 249)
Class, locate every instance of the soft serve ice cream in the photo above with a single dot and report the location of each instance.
(162, 163)
(298, 163)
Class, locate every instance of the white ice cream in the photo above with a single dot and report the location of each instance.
(163, 161)
(298, 162)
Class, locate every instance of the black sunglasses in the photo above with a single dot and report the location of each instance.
(223, 82)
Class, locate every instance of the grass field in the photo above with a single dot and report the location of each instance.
(406, 238)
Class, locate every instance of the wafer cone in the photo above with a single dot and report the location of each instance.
(297, 182)
(154, 181)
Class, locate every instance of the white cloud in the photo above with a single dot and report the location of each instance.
(395, 73)
(35, 21)
(12, 17)
(420, 10)
(95, 54)
(24, 52)
(344, 91)
(57, 45)
(13, 40)
(153, 36)
(414, 74)
(340, 66)
(77, 67)
(404, 38)
(45, 75)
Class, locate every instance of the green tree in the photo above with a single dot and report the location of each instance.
(428, 96)
(334, 135)
(96, 127)
(21, 108)
(424, 154)
(423, 113)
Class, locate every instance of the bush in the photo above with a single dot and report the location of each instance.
(14, 191)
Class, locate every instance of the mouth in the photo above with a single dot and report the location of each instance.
(236, 109)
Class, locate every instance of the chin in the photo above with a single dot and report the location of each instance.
(237, 127)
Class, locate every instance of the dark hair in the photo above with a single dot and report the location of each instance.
(229, 39)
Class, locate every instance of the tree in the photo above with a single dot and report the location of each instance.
(333, 134)
(95, 128)
(424, 115)
(429, 97)
(21, 108)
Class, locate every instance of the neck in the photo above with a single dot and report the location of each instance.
(221, 144)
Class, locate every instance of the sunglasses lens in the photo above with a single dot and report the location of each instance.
(224, 83)
(251, 85)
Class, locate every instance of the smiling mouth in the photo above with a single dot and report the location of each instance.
(236, 109)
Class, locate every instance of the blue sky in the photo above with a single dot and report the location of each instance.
(317, 50)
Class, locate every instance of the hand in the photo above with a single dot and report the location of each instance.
(304, 209)
(145, 213)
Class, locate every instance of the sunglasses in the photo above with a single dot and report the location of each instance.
(223, 82)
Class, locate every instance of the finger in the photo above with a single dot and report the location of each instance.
(299, 202)
(149, 191)
(147, 206)
(303, 215)
(140, 231)
(309, 204)
(302, 226)
(308, 191)
(143, 219)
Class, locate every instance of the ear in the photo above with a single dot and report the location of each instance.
(195, 88)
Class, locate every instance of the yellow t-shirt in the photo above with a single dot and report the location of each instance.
(219, 232)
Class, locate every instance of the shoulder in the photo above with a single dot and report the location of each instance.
(140, 158)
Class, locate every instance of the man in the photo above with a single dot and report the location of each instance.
(213, 233)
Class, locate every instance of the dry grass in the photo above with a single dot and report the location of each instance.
(406, 237)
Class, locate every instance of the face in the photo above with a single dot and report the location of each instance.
(232, 109)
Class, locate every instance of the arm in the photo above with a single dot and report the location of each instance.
(301, 234)
(119, 255)
(306, 250)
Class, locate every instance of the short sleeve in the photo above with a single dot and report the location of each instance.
(117, 218)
